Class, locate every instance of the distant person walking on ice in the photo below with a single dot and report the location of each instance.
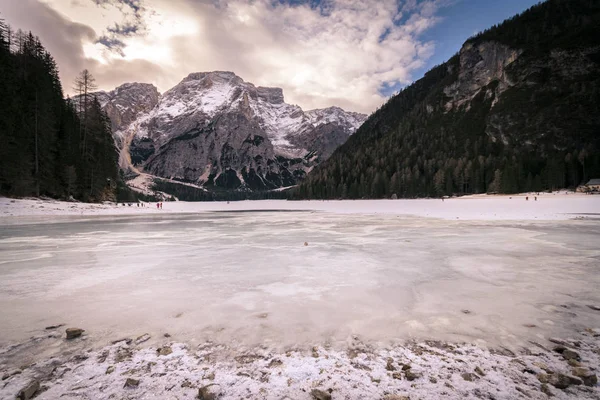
(157, 206)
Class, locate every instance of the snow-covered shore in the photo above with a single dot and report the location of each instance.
(127, 369)
(545, 206)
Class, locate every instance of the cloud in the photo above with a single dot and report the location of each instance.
(61, 37)
(322, 53)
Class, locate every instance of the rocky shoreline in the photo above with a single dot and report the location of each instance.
(132, 369)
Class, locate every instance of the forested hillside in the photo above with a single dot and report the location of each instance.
(518, 109)
(47, 148)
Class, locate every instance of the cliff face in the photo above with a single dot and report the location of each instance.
(124, 104)
(517, 109)
(480, 65)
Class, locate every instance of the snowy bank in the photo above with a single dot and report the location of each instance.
(548, 206)
(565, 369)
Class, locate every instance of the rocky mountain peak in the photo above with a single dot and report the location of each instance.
(270, 94)
(215, 129)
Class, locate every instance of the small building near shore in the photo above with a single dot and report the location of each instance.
(593, 187)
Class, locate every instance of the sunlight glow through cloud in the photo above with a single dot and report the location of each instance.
(342, 52)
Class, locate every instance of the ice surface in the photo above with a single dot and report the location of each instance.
(248, 278)
(256, 313)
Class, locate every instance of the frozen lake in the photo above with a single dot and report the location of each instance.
(247, 277)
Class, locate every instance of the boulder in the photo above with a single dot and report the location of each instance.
(29, 391)
(73, 333)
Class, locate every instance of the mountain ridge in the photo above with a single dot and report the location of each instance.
(517, 109)
(177, 135)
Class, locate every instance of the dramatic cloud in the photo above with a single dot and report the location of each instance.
(331, 52)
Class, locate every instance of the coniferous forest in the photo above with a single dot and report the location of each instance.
(540, 132)
(50, 148)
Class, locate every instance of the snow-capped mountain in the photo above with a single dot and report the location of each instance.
(215, 129)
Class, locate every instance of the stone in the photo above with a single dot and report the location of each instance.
(141, 339)
(29, 391)
(131, 383)
(318, 394)
(543, 367)
(164, 351)
(469, 377)
(52, 327)
(306, 243)
(559, 381)
(466, 311)
(395, 397)
(110, 369)
(397, 375)
(546, 390)
(390, 365)
(594, 307)
(73, 333)
(557, 341)
(575, 381)
(588, 378)
(479, 371)
(10, 374)
(208, 392)
(433, 379)
(411, 376)
(570, 355)
(543, 378)
(574, 363)
(126, 340)
(406, 367)
(167, 335)
(559, 349)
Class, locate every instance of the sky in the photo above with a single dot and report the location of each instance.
(350, 53)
